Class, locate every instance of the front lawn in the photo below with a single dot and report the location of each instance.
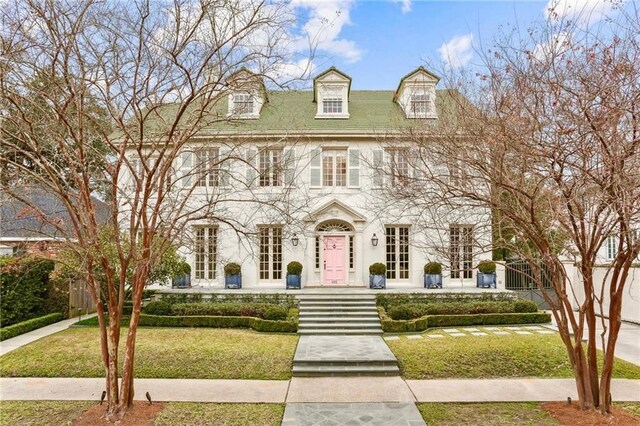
(490, 356)
(197, 353)
(32, 413)
(486, 414)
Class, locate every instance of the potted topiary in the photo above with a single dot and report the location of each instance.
(377, 275)
(182, 276)
(433, 275)
(294, 275)
(232, 275)
(486, 276)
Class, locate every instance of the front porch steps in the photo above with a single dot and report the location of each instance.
(340, 336)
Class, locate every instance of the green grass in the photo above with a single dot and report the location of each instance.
(486, 414)
(58, 413)
(32, 413)
(181, 414)
(196, 353)
(490, 357)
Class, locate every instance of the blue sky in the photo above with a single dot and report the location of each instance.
(378, 42)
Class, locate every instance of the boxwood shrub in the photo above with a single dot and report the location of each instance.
(392, 299)
(259, 310)
(257, 324)
(158, 307)
(417, 310)
(29, 325)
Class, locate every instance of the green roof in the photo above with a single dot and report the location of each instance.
(293, 112)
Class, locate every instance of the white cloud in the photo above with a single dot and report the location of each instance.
(322, 30)
(584, 11)
(457, 52)
(406, 5)
(556, 45)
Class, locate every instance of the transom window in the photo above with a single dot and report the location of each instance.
(461, 251)
(206, 247)
(332, 105)
(206, 167)
(334, 168)
(270, 167)
(242, 103)
(397, 245)
(335, 226)
(270, 252)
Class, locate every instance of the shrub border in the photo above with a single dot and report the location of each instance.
(430, 321)
(29, 325)
(385, 300)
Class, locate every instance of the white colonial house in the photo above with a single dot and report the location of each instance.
(315, 159)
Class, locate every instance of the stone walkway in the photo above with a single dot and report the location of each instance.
(391, 414)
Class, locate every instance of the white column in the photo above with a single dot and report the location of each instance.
(358, 252)
(310, 260)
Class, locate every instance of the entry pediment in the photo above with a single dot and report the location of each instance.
(335, 209)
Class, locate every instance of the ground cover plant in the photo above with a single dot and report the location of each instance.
(490, 356)
(196, 353)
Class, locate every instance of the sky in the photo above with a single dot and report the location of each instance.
(378, 42)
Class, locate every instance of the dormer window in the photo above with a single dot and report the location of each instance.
(420, 104)
(416, 94)
(332, 103)
(242, 104)
(331, 93)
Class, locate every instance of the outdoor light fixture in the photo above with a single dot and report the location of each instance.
(374, 240)
(294, 240)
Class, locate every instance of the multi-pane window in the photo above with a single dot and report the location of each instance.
(207, 173)
(612, 247)
(242, 103)
(332, 105)
(206, 252)
(420, 104)
(270, 252)
(461, 251)
(334, 168)
(351, 252)
(399, 164)
(317, 252)
(397, 246)
(270, 167)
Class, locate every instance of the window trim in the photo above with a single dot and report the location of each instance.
(209, 263)
(463, 264)
(274, 256)
(396, 240)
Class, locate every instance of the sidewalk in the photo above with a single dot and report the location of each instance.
(9, 345)
(315, 390)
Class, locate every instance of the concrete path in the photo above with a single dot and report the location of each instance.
(315, 390)
(9, 345)
(389, 414)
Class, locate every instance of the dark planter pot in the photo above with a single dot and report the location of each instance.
(181, 282)
(432, 280)
(485, 280)
(294, 281)
(377, 281)
(233, 281)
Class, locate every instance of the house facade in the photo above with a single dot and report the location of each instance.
(308, 176)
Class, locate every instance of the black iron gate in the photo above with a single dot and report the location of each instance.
(519, 278)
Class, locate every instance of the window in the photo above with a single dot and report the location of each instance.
(457, 173)
(351, 252)
(397, 245)
(242, 104)
(461, 251)
(206, 252)
(270, 252)
(334, 168)
(332, 105)
(317, 252)
(207, 173)
(270, 167)
(420, 104)
(612, 247)
(399, 165)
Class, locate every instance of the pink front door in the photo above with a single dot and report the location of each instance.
(334, 260)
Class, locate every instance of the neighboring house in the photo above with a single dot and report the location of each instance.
(324, 150)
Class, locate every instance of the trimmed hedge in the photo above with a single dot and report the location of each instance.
(286, 300)
(428, 321)
(259, 310)
(417, 310)
(392, 299)
(257, 324)
(29, 325)
(158, 307)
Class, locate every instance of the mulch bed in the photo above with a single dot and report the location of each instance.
(141, 414)
(572, 415)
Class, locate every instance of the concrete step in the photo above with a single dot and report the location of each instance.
(336, 303)
(328, 370)
(338, 324)
(345, 363)
(336, 297)
(340, 331)
(361, 313)
(367, 319)
(330, 308)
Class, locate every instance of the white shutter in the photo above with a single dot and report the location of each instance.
(224, 167)
(289, 166)
(315, 168)
(186, 168)
(378, 172)
(251, 166)
(354, 168)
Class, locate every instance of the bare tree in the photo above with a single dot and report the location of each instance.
(551, 145)
(158, 74)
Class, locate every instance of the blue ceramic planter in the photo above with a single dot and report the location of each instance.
(183, 281)
(294, 281)
(485, 280)
(377, 281)
(432, 280)
(233, 281)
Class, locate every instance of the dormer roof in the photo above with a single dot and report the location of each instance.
(325, 74)
(245, 79)
(427, 77)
